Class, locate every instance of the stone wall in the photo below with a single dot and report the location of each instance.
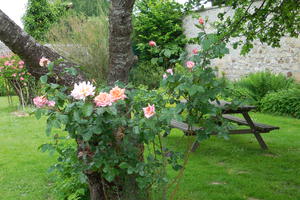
(262, 57)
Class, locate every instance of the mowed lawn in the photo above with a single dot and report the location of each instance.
(235, 169)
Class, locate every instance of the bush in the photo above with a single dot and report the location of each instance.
(254, 87)
(147, 74)
(285, 102)
(159, 21)
(3, 88)
(84, 40)
(40, 16)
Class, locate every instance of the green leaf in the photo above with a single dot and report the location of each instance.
(154, 61)
(167, 53)
(87, 110)
(44, 79)
(38, 114)
(136, 130)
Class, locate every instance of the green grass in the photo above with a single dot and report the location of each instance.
(235, 169)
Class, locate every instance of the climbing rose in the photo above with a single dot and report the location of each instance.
(195, 51)
(40, 101)
(14, 75)
(21, 78)
(44, 62)
(51, 103)
(165, 76)
(21, 66)
(201, 20)
(170, 71)
(21, 62)
(82, 90)
(103, 99)
(149, 111)
(117, 94)
(190, 64)
(152, 43)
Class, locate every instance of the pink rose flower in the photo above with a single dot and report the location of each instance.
(21, 78)
(21, 62)
(190, 64)
(1, 68)
(44, 62)
(152, 43)
(40, 101)
(103, 99)
(21, 66)
(165, 76)
(201, 20)
(149, 111)
(195, 51)
(117, 94)
(7, 63)
(170, 71)
(14, 75)
(51, 103)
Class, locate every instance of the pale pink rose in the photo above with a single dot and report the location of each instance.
(51, 103)
(170, 71)
(21, 62)
(195, 51)
(7, 63)
(82, 90)
(117, 94)
(149, 111)
(44, 62)
(28, 73)
(103, 99)
(14, 68)
(14, 75)
(1, 68)
(152, 43)
(21, 78)
(201, 20)
(23, 73)
(190, 64)
(40, 101)
(165, 76)
(21, 66)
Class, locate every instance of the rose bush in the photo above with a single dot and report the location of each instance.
(19, 80)
(113, 125)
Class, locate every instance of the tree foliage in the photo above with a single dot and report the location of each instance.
(40, 15)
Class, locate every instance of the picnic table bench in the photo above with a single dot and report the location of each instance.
(254, 127)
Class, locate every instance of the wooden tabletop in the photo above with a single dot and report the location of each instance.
(227, 108)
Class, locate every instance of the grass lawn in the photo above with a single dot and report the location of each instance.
(235, 169)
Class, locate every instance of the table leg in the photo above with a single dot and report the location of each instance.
(255, 132)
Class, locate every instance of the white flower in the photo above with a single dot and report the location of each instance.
(82, 90)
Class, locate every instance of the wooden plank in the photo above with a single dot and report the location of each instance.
(258, 126)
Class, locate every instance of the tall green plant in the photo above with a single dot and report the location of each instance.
(84, 40)
(90, 8)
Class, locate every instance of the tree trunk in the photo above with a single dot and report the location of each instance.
(31, 52)
(121, 57)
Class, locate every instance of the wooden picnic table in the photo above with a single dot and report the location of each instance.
(254, 127)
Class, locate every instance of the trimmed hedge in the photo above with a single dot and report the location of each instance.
(285, 102)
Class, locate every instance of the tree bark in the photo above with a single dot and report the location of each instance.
(121, 57)
(31, 52)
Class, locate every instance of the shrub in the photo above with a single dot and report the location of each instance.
(256, 86)
(40, 16)
(85, 41)
(159, 21)
(147, 74)
(285, 102)
(17, 78)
